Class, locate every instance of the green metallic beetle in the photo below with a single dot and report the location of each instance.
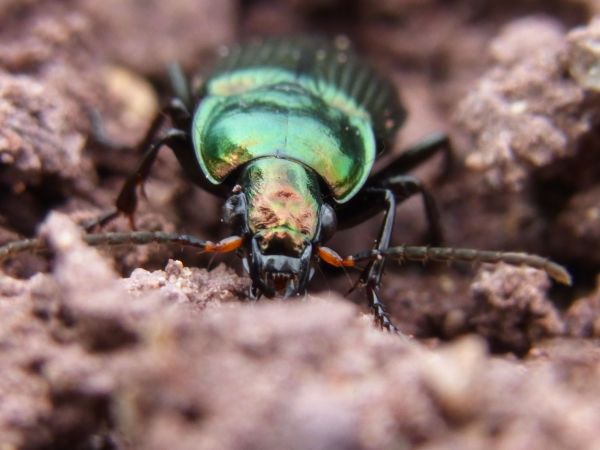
(288, 131)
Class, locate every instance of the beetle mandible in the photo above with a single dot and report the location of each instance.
(287, 131)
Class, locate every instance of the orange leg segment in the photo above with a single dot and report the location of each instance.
(225, 245)
(332, 258)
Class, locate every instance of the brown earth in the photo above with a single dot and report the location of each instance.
(130, 348)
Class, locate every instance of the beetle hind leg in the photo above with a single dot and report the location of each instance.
(126, 202)
(416, 155)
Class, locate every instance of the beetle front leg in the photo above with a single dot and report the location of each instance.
(392, 191)
(380, 314)
(385, 197)
(371, 276)
(370, 201)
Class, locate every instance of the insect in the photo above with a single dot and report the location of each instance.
(287, 132)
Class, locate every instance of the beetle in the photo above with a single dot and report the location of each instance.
(287, 132)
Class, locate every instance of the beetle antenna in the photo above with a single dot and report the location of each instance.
(129, 237)
(22, 246)
(447, 254)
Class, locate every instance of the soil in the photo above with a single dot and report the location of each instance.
(154, 347)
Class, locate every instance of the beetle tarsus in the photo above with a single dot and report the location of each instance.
(98, 136)
(180, 86)
(381, 316)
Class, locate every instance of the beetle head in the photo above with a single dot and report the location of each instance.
(278, 258)
(281, 260)
(278, 245)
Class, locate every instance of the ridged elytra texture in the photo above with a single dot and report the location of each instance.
(299, 99)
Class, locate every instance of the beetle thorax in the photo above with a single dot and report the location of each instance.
(283, 204)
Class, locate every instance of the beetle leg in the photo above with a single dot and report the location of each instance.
(98, 134)
(364, 206)
(384, 197)
(415, 156)
(175, 108)
(372, 285)
(371, 276)
(394, 190)
(179, 84)
(405, 186)
(129, 238)
(370, 201)
(127, 200)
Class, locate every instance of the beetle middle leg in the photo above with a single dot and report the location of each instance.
(365, 205)
(177, 110)
(126, 202)
(403, 186)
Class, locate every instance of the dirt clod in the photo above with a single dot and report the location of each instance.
(511, 308)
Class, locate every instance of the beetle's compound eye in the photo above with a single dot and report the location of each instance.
(234, 212)
(328, 222)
